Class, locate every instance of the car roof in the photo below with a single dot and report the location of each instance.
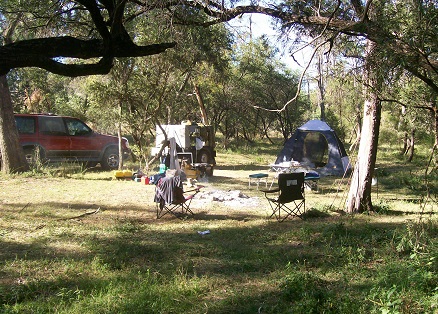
(41, 115)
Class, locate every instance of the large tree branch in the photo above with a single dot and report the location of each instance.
(48, 53)
(117, 28)
(288, 18)
(97, 18)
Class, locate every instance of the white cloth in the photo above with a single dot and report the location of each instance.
(199, 144)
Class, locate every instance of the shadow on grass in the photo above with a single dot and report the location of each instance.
(388, 212)
(244, 167)
(222, 179)
(246, 264)
(205, 216)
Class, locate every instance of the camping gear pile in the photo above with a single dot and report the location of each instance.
(196, 139)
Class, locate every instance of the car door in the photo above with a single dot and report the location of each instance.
(84, 145)
(53, 137)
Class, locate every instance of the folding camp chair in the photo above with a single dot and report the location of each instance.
(171, 199)
(288, 197)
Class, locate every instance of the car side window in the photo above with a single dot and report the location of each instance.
(25, 125)
(52, 126)
(77, 127)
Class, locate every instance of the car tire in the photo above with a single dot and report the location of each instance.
(203, 156)
(110, 159)
(34, 155)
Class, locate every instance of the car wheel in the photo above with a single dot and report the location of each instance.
(34, 155)
(110, 159)
(203, 156)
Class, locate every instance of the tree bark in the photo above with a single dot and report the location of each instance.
(405, 143)
(412, 146)
(119, 136)
(435, 117)
(13, 160)
(321, 87)
(201, 104)
(359, 196)
(46, 52)
(358, 128)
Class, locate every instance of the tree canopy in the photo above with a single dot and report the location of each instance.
(98, 31)
(54, 35)
(392, 39)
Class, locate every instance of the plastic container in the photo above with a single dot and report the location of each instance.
(127, 173)
(162, 168)
(145, 180)
(118, 174)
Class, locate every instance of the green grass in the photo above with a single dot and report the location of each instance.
(84, 243)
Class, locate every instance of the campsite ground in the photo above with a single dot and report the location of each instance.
(74, 243)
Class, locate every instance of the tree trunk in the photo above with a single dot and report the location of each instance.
(405, 143)
(435, 117)
(358, 127)
(359, 196)
(13, 160)
(321, 87)
(119, 136)
(412, 146)
(204, 118)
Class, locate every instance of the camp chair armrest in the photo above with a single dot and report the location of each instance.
(189, 197)
(195, 189)
(276, 190)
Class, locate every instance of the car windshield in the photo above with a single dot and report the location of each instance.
(77, 127)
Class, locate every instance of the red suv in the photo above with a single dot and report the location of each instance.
(60, 138)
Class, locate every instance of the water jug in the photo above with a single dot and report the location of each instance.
(162, 168)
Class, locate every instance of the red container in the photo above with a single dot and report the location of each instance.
(145, 180)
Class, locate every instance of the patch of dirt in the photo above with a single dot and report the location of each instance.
(231, 198)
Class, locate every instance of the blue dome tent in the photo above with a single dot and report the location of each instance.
(316, 146)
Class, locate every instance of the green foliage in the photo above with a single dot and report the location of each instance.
(344, 101)
(261, 81)
(121, 259)
(315, 213)
(416, 239)
(412, 112)
(308, 292)
(381, 207)
(387, 301)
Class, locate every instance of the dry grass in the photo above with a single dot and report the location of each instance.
(88, 243)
